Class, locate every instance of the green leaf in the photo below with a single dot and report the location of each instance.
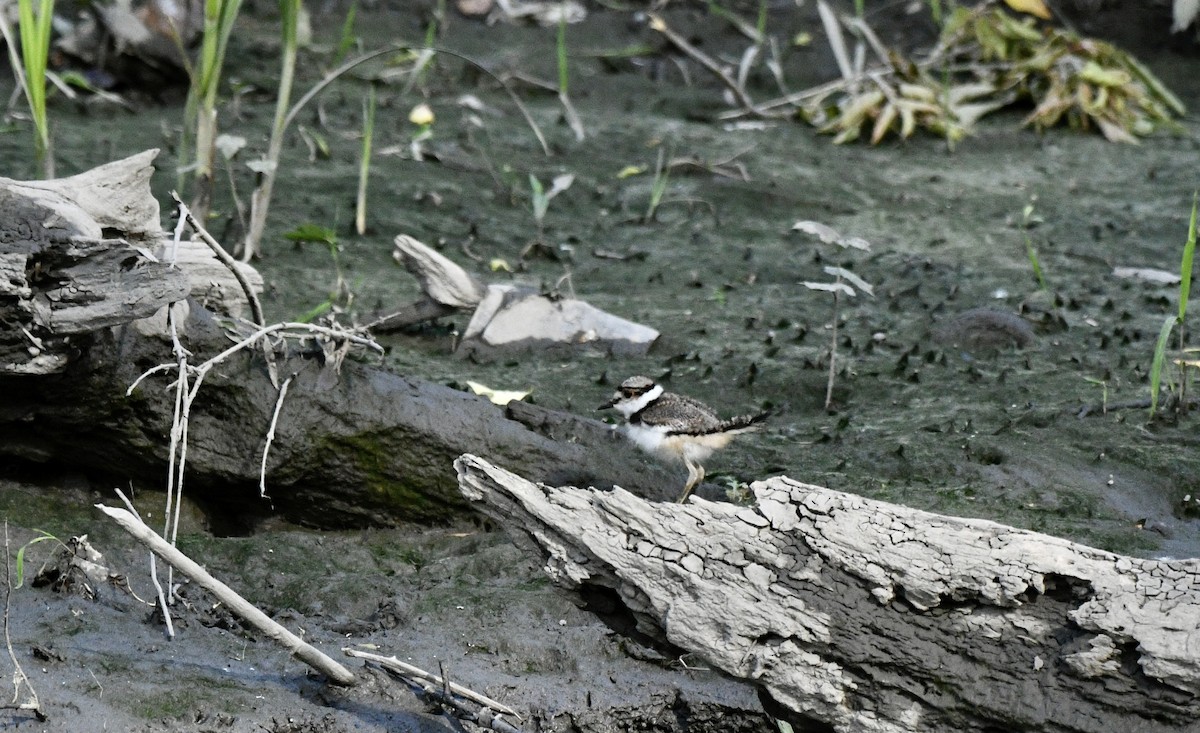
(1096, 74)
(312, 233)
(1160, 352)
(1185, 267)
(319, 310)
(541, 201)
(21, 554)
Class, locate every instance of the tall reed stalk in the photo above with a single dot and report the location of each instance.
(364, 163)
(260, 200)
(35, 50)
(1176, 319)
(201, 111)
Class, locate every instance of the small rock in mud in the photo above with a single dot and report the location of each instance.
(983, 331)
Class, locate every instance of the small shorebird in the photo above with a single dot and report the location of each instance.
(674, 426)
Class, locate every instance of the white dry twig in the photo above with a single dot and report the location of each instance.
(162, 597)
(245, 610)
(262, 474)
(224, 258)
(19, 679)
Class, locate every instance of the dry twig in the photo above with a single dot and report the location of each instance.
(681, 43)
(416, 673)
(19, 679)
(185, 214)
(245, 610)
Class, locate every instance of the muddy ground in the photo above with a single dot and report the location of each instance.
(917, 420)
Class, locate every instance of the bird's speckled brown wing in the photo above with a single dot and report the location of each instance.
(680, 415)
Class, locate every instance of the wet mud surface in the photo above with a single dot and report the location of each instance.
(984, 415)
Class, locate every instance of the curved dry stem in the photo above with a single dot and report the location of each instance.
(358, 60)
(223, 256)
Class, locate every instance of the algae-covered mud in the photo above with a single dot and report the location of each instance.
(931, 409)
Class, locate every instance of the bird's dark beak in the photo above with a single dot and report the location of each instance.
(608, 404)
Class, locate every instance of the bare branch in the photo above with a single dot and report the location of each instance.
(245, 610)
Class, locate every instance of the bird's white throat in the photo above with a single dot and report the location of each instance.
(631, 407)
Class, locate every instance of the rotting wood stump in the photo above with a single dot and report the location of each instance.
(82, 298)
(857, 615)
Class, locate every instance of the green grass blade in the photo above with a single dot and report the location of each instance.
(35, 33)
(561, 53)
(20, 567)
(364, 163)
(1185, 267)
(319, 310)
(347, 38)
(1031, 252)
(540, 202)
(21, 555)
(1160, 353)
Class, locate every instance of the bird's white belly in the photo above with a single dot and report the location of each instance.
(649, 439)
(690, 448)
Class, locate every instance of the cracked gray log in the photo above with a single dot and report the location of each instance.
(857, 615)
(373, 448)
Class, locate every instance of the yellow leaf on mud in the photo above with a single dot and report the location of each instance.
(917, 91)
(498, 265)
(960, 93)
(1097, 74)
(908, 121)
(630, 170)
(882, 123)
(1114, 132)
(1032, 7)
(969, 114)
(498, 396)
(854, 113)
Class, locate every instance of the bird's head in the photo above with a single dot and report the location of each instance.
(633, 395)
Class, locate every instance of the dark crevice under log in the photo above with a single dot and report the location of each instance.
(856, 615)
(373, 449)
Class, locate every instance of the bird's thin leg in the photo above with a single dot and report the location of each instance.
(695, 476)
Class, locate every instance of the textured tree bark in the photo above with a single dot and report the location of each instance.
(81, 317)
(856, 615)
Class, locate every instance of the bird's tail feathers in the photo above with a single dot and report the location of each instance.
(741, 423)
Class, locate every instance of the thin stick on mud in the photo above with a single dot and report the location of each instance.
(408, 670)
(158, 589)
(245, 610)
(833, 349)
(19, 679)
(681, 43)
(262, 473)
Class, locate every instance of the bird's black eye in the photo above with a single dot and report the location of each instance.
(628, 392)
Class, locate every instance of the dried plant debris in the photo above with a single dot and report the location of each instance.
(987, 59)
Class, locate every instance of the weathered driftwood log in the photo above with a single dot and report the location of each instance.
(857, 615)
(352, 446)
(70, 262)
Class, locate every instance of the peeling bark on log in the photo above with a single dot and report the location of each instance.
(857, 615)
(364, 447)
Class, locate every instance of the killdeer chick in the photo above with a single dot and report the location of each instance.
(676, 427)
